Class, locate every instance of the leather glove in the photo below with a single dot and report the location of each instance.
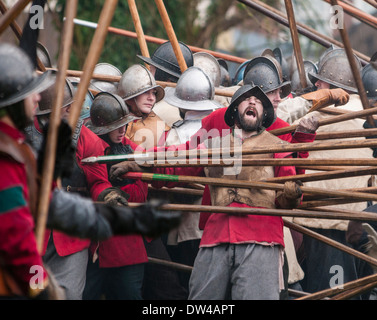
(308, 125)
(325, 97)
(65, 151)
(145, 220)
(121, 168)
(291, 195)
(114, 197)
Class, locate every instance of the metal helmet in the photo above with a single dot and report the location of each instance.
(166, 62)
(238, 76)
(336, 70)
(278, 55)
(105, 69)
(309, 66)
(209, 64)
(18, 78)
(136, 80)
(244, 92)
(194, 91)
(87, 104)
(109, 112)
(225, 76)
(48, 96)
(369, 78)
(265, 73)
(43, 55)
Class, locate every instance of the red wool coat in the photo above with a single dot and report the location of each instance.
(124, 250)
(18, 248)
(88, 145)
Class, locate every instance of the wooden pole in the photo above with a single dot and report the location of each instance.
(356, 13)
(336, 174)
(330, 242)
(52, 135)
(330, 120)
(236, 162)
(171, 34)
(12, 13)
(94, 53)
(349, 215)
(341, 288)
(296, 42)
(354, 292)
(155, 40)
(139, 30)
(302, 29)
(355, 68)
(18, 32)
(245, 184)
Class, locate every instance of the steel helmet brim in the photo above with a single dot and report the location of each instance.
(37, 85)
(314, 77)
(115, 125)
(199, 105)
(159, 66)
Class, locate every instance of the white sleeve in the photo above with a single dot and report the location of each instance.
(290, 110)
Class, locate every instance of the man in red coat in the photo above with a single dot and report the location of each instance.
(240, 257)
(67, 256)
(22, 272)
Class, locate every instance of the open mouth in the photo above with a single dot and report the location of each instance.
(251, 112)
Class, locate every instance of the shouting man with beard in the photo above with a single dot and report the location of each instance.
(240, 256)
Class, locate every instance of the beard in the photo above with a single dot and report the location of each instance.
(249, 125)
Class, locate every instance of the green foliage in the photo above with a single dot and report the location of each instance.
(119, 50)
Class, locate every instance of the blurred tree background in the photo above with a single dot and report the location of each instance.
(195, 22)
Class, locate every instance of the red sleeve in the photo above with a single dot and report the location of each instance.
(90, 145)
(18, 248)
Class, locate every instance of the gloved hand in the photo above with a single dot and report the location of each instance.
(121, 168)
(145, 220)
(325, 97)
(114, 197)
(65, 151)
(291, 195)
(308, 125)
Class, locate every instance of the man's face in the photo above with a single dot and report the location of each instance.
(250, 112)
(322, 85)
(275, 97)
(31, 103)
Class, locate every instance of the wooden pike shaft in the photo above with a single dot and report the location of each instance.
(330, 242)
(156, 40)
(354, 292)
(52, 135)
(139, 30)
(296, 42)
(94, 53)
(336, 174)
(18, 32)
(354, 67)
(302, 29)
(171, 34)
(347, 286)
(12, 13)
(330, 120)
(230, 162)
(244, 184)
(356, 13)
(347, 215)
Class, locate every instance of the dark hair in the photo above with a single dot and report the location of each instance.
(17, 113)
